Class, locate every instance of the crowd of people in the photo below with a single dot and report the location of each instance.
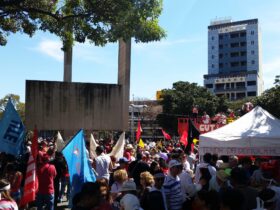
(149, 178)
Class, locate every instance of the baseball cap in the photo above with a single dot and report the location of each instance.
(173, 163)
(123, 160)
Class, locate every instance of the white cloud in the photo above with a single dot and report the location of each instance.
(51, 48)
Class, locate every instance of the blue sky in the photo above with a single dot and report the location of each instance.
(181, 56)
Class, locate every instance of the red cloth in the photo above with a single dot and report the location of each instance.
(166, 135)
(46, 174)
(184, 138)
(139, 130)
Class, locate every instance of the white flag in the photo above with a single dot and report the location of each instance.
(59, 142)
(92, 147)
(118, 149)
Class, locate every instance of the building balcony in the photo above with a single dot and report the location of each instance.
(228, 89)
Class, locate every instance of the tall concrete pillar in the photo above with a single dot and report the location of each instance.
(124, 60)
(67, 76)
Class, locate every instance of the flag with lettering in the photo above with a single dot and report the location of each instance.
(78, 163)
(11, 131)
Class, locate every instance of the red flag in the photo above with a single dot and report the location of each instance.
(31, 182)
(184, 138)
(139, 130)
(166, 135)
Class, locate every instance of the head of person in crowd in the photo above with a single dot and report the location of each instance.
(207, 200)
(232, 199)
(159, 179)
(104, 188)
(120, 176)
(233, 161)
(5, 187)
(99, 150)
(139, 156)
(214, 160)
(246, 162)
(146, 179)
(154, 167)
(88, 198)
(205, 178)
(269, 198)
(239, 177)
(175, 167)
(129, 187)
(221, 177)
(123, 163)
(207, 158)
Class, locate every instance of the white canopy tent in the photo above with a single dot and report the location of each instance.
(255, 133)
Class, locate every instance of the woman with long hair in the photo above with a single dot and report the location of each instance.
(6, 201)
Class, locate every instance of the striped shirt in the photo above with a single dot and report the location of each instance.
(173, 193)
(8, 205)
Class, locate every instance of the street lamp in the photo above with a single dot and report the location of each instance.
(138, 107)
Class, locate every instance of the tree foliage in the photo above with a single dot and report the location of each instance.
(19, 106)
(99, 21)
(270, 99)
(179, 101)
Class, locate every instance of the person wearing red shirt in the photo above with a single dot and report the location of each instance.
(46, 173)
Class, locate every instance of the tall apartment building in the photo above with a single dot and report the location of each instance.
(234, 59)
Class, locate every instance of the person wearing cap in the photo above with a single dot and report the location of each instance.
(102, 163)
(6, 201)
(123, 163)
(172, 186)
(129, 200)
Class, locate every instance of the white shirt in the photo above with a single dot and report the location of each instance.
(102, 163)
(212, 171)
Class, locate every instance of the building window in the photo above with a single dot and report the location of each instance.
(252, 32)
(253, 93)
(213, 66)
(212, 37)
(242, 34)
(243, 63)
(221, 46)
(234, 45)
(251, 83)
(243, 53)
(252, 42)
(242, 44)
(253, 62)
(234, 64)
(209, 85)
(213, 56)
(221, 65)
(234, 54)
(235, 35)
(221, 55)
(252, 52)
(221, 36)
(213, 47)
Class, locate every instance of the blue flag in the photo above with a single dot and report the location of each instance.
(11, 131)
(78, 163)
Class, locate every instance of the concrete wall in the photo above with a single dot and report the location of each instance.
(72, 106)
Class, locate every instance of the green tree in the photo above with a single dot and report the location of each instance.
(179, 101)
(98, 21)
(19, 106)
(270, 99)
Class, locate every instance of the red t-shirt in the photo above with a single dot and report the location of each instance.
(46, 174)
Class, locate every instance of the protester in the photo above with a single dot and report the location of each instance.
(46, 173)
(232, 199)
(147, 181)
(205, 164)
(129, 200)
(102, 164)
(120, 176)
(172, 186)
(6, 201)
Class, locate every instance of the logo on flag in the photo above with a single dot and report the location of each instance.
(11, 131)
(78, 163)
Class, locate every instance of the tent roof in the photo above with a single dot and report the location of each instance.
(251, 134)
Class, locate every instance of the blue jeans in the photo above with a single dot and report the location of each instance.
(46, 200)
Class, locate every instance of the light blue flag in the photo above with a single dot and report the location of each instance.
(78, 163)
(11, 131)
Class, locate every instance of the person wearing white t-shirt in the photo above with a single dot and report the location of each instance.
(102, 164)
